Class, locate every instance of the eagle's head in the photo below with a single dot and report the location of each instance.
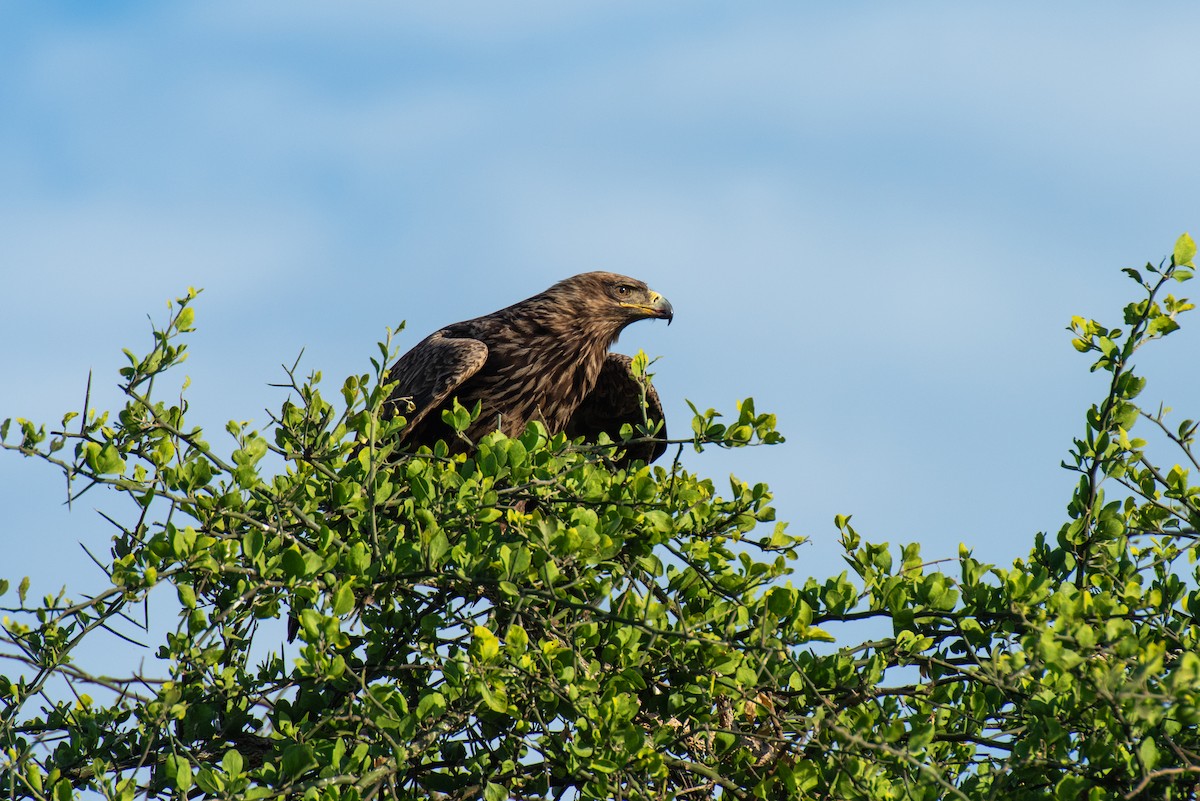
(609, 301)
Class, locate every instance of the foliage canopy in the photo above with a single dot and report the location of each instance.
(535, 621)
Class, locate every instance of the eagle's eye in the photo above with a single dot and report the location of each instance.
(624, 289)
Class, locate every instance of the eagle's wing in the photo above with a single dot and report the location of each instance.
(429, 374)
(616, 400)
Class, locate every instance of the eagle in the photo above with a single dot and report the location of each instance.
(543, 359)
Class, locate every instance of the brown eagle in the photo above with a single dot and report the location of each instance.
(545, 358)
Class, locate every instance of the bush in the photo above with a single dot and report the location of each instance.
(536, 621)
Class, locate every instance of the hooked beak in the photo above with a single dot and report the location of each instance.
(659, 307)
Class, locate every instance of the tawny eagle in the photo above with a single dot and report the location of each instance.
(545, 358)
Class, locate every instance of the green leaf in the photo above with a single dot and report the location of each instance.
(814, 633)
(1149, 753)
(162, 452)
(438, 546)
(178, 771)
(343, 599)
(487, 643)
(293, 563)
(231, 763)
(431, 705)
(489, 515)
(297, 759)
(33, 775)
(493, 697)
(780, 601)
(208, 781)
(495, 792)
(104, 460)
(1185, 251)
(252, 543)
(516, 640)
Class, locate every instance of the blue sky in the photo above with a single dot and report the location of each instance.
(874, 218)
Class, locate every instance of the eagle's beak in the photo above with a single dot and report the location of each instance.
(658, 307)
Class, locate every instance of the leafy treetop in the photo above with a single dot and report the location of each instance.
(536, 620)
